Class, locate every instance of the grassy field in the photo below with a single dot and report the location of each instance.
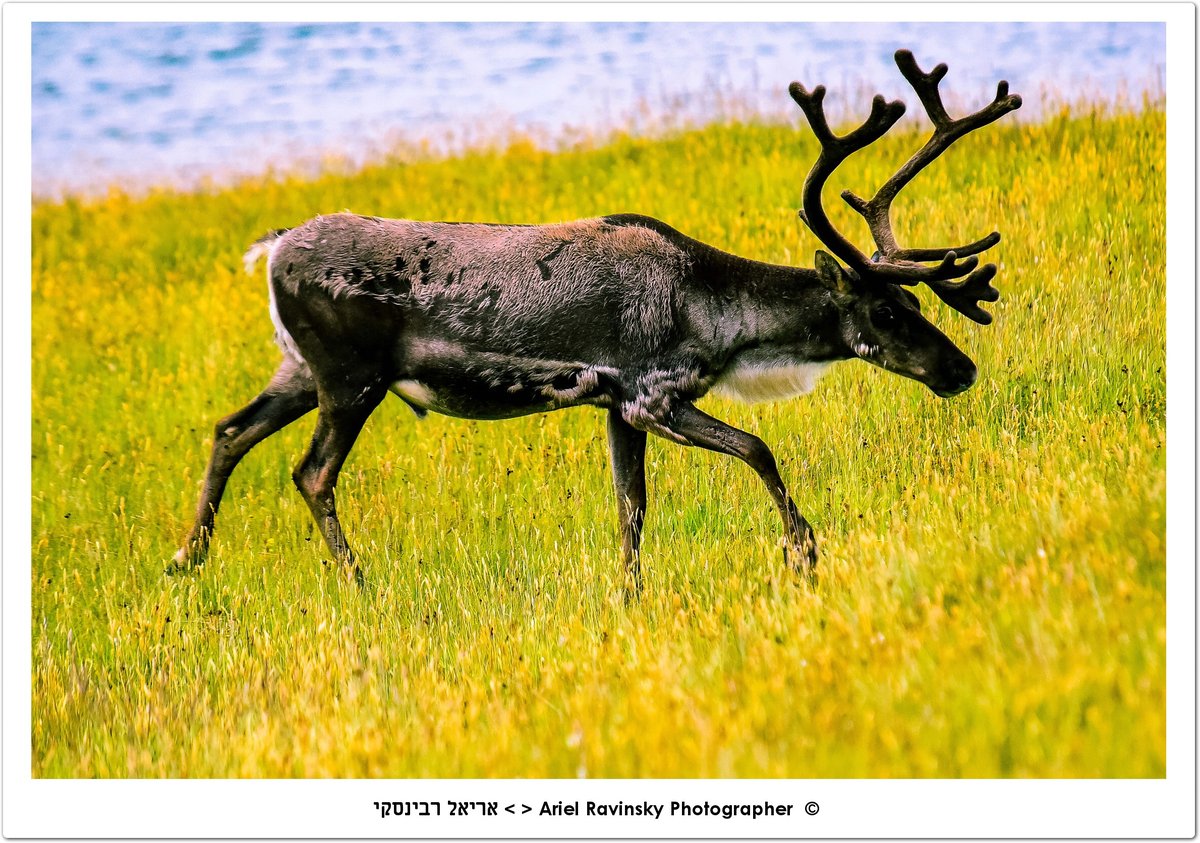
(993, 571)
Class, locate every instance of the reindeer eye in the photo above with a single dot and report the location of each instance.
(882, 317)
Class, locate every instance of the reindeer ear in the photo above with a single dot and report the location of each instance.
(831, 274)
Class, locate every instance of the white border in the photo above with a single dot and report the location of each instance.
(620, 10)
(277, 808)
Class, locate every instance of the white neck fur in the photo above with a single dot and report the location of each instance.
(752, 383)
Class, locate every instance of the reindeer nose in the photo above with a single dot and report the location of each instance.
(969, 374)
(960, 377)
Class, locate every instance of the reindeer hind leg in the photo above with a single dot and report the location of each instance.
(341, 416)
(291, 394)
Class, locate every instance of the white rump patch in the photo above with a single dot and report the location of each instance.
(282, 338)
(752, 383)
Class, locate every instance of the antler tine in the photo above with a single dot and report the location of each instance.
(980, 245)
(835, 150)
(966, 295)
(877, 212)
(926, 85)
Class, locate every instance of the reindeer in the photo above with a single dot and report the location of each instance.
(624, 313)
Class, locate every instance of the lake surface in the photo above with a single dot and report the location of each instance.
(140, 104)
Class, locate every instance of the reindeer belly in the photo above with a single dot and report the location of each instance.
(491, 386)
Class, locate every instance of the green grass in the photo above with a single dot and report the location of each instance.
(993, 567)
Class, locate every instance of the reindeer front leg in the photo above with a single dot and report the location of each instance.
(702, 430)
(627, 450)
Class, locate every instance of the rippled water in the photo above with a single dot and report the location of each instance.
(143, 103)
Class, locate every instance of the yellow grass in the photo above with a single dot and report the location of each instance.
(993, 567)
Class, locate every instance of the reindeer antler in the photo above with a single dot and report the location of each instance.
(893, 264)
(835, 150)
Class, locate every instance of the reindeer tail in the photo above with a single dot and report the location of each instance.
(261, 246)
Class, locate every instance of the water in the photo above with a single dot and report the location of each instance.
(139, 104)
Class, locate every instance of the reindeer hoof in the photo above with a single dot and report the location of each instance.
(801, 555)
(175, 568)
(348, 570)
(187, 560)
(632, 594)
(184, 561)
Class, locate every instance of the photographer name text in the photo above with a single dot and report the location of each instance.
(581, 808)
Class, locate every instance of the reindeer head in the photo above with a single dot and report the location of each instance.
(882, 322)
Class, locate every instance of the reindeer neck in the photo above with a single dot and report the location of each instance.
(752, 305)
(734, 304)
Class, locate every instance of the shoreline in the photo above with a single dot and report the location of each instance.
(499, 134)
